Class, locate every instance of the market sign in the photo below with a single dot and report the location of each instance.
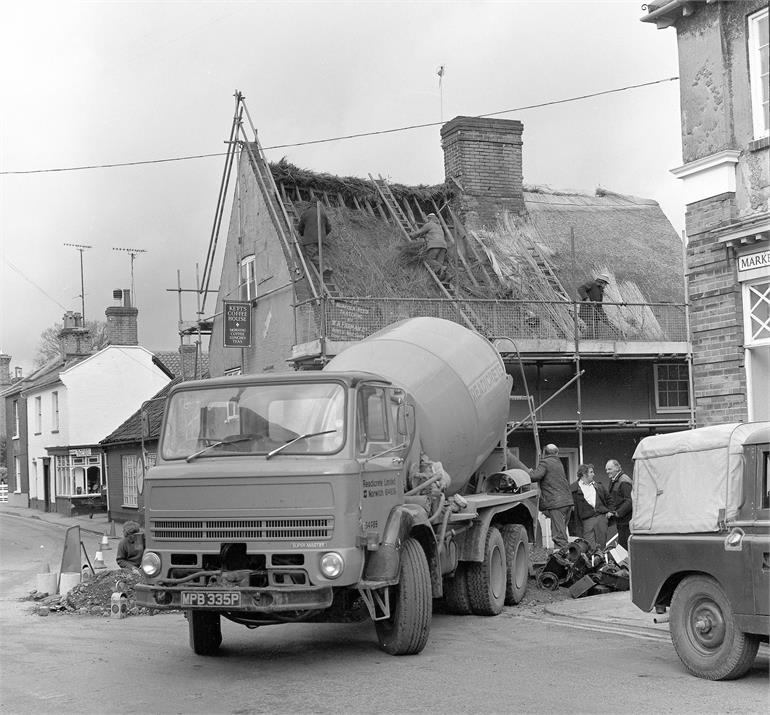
(750, 261)
(237, 333)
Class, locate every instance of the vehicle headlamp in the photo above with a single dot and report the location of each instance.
(150, 564)
(332, 564)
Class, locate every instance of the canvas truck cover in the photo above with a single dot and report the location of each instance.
(687, 482)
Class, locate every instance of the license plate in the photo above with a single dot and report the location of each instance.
(211, 598)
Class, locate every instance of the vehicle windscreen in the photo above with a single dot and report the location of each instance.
(255, 419)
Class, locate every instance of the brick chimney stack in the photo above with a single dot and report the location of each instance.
(5, 369)
(121, 319)
(74, 337)
(484, 157)
(189, 357)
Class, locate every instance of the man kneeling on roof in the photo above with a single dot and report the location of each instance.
(313, 227)
(435, 245)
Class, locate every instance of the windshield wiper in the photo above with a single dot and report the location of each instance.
(232, 439)
(297, 439)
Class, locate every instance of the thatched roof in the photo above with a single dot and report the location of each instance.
(351, 188)
(630, 238)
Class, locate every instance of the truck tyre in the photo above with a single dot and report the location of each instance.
(517, 562)
(487, 580)
(704, 633)
(411, 605)
(456, 599)
(205, 631)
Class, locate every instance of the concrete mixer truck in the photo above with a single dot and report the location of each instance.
(364, 490)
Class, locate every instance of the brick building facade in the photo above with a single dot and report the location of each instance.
(723, 58)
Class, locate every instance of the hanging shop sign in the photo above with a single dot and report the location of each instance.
(237, 333)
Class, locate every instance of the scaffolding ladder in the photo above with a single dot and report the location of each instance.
(406, 227)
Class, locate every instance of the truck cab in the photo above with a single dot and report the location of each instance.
(700, 543)
(309, 496)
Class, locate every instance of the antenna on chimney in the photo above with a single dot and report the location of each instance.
(132, 252)
(440, 72)
(81, 248)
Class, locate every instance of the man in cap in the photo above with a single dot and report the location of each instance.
(592, 313)
(313, 227)
(435, 243)
(555, 496)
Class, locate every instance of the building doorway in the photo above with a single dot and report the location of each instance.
(46, 484)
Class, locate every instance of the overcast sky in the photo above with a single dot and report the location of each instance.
(86, 83)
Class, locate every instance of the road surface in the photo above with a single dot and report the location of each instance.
(508, 664)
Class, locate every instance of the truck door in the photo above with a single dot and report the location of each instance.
(380, 458)
(760, 541)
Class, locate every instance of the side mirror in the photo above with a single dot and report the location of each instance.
(405, 419)
(145, 418)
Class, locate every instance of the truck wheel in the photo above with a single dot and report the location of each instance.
(411, 605)
(517, 562)
(487, 580)
(456, 597)
(205, 631)
(704, 633)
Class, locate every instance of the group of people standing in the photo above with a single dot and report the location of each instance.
(587, 505)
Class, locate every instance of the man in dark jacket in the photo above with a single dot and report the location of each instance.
(591, 311)
(555, 495)
(590, 499)
(619, 500)
(308, 228)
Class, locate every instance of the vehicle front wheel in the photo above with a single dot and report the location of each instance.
(517, 561)
(205, 631)
(411, 605)
(704, 632)
(487, 580)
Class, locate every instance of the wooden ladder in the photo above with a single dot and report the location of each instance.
(406, 227)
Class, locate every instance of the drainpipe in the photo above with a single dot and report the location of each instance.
(690, 379)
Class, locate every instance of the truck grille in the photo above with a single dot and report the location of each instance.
(274, 529)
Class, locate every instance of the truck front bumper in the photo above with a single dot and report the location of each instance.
(254, 600)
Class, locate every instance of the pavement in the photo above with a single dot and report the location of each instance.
(608, 612)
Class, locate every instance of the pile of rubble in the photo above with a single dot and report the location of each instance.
(585, 572)
(93, 596)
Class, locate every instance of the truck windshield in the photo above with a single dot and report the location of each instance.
(255, 419)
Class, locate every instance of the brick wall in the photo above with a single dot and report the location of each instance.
(484, 156)
(716, 315)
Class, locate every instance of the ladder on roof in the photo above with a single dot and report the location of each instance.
(406, 226)
(545, 269)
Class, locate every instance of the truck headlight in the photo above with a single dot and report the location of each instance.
(150, 564)
(332, 564)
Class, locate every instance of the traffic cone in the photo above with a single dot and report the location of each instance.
(112, 530)
(47, 582)
(99, 561)
(105, 546)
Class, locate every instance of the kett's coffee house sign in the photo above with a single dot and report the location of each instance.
(237, 333)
